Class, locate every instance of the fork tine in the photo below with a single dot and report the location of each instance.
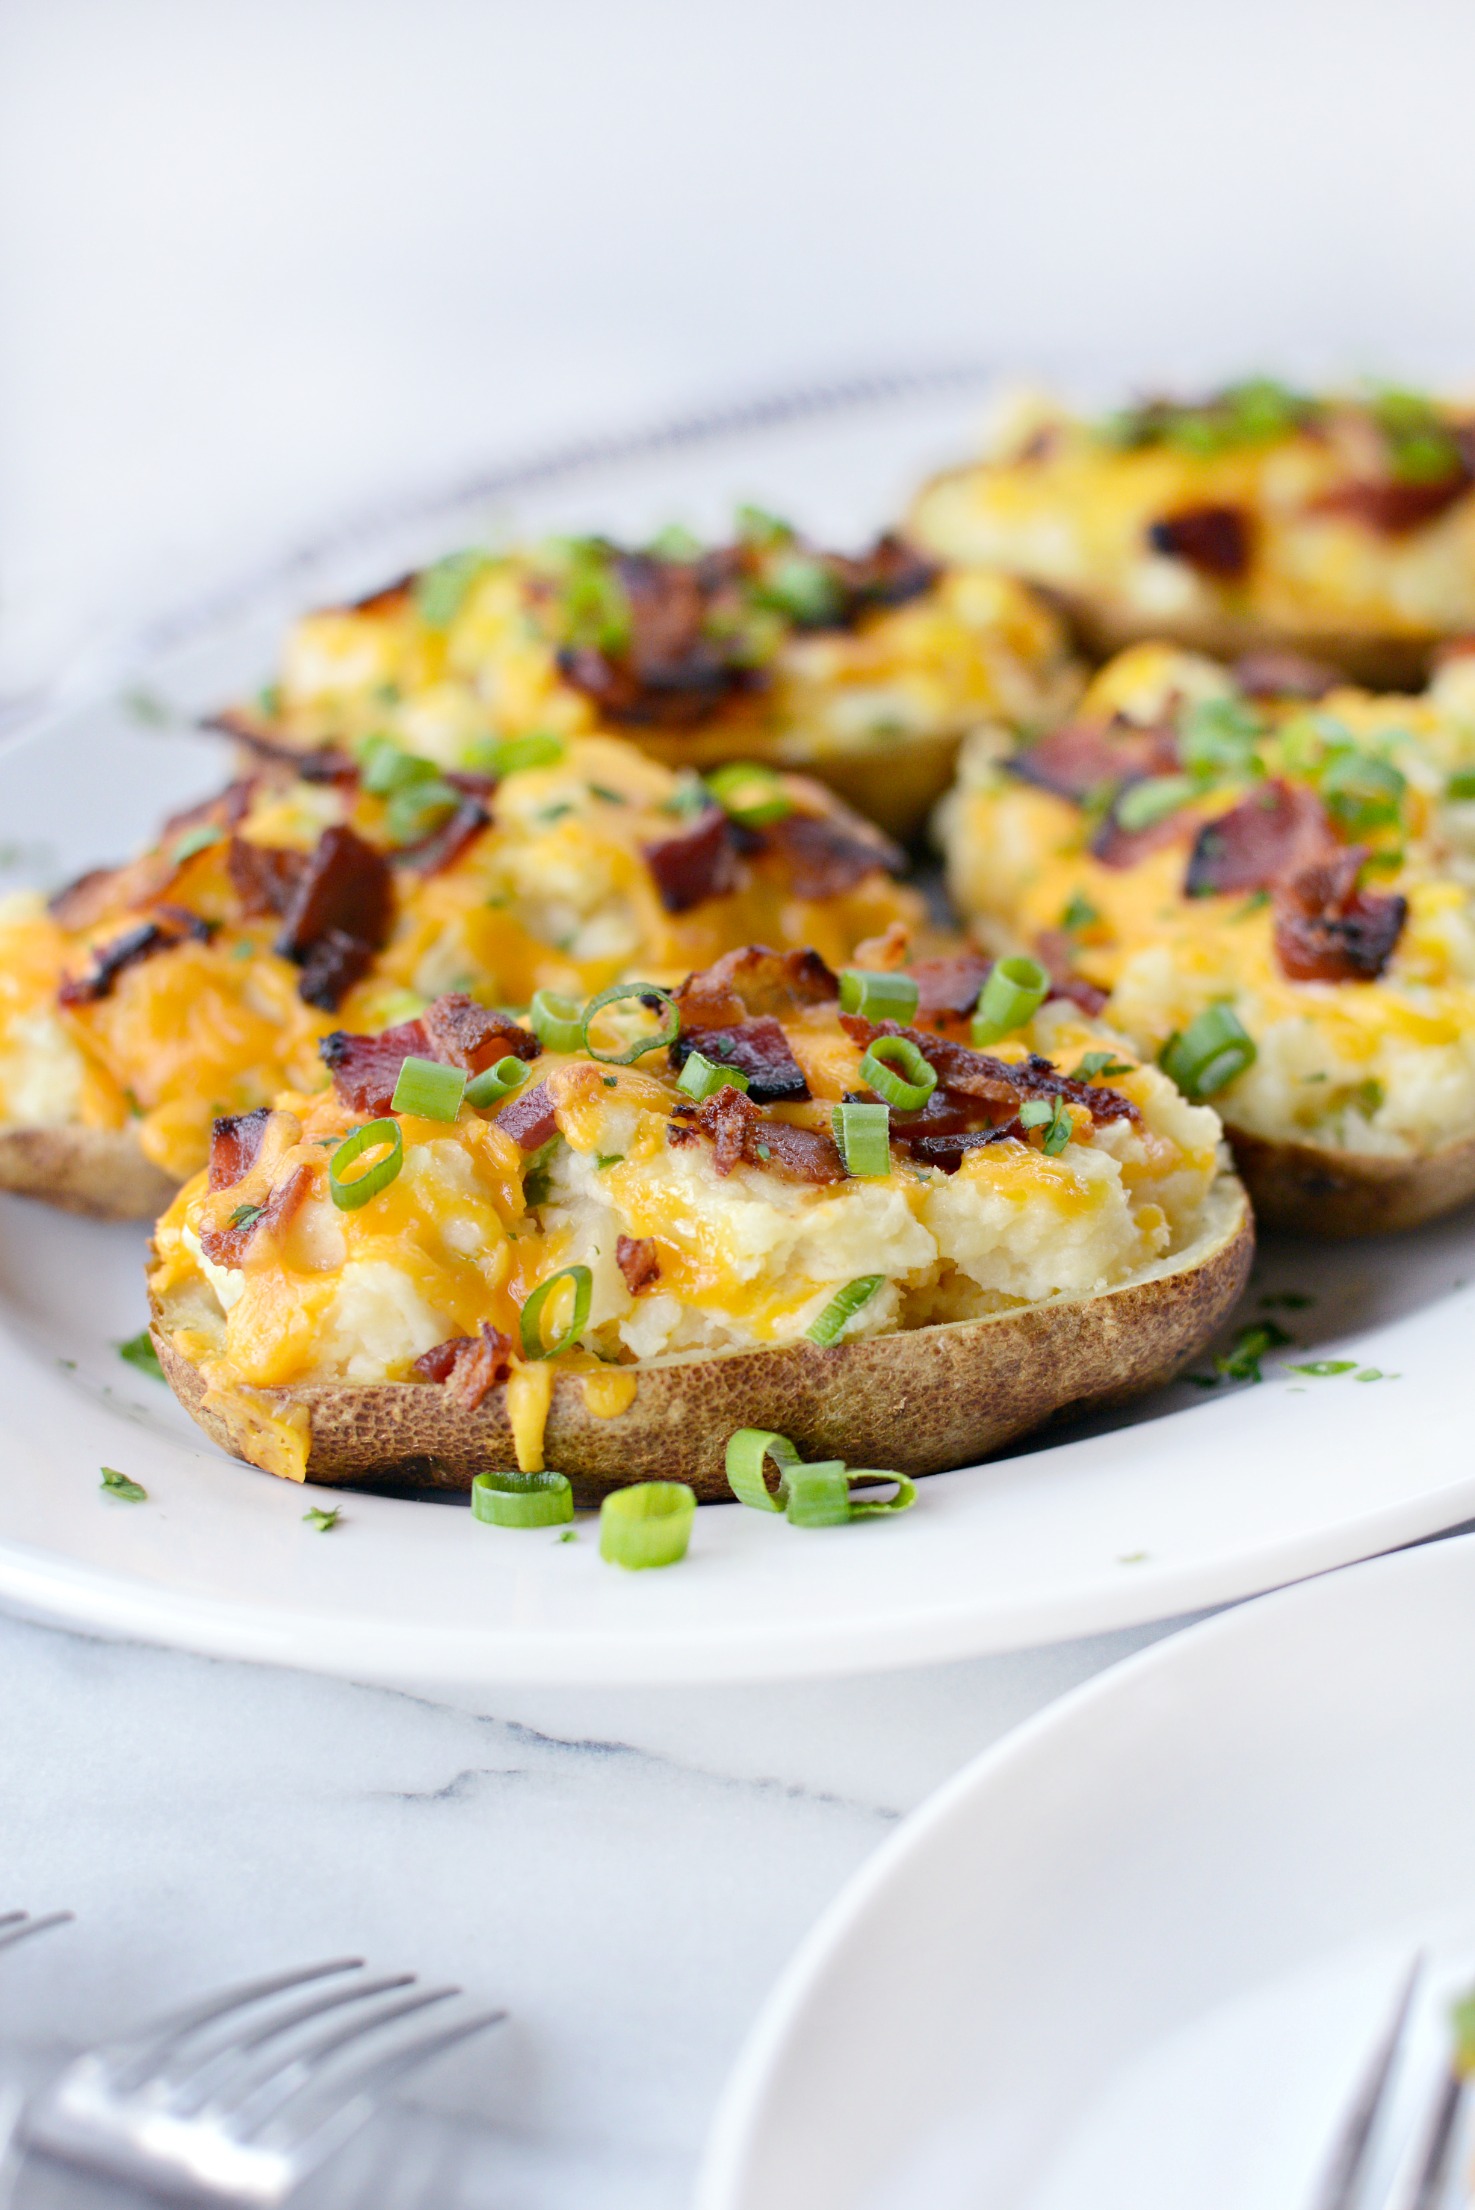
(166, 2033)
(195, 2086)
(299, 2067)
(1348, 2162)
(19, 1925)
(299, 2136)
(1433, 2172)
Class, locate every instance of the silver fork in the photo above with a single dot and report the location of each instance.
(238, 2099)
(1403, 2142)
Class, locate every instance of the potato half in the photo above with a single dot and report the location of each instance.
(100, 1171)
(917, 1402)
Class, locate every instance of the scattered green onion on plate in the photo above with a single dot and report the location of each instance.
(646, 1525)
(522, 1499)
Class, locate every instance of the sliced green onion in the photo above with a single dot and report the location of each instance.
(412, 812)
(879, 997)
(1462, 785)
(348, 1196)
(1211, 1051)
(843, 1306)
(123, 1484)
(818, 1495)
(429, 1088)
(490, 1087)
(385, 767)
(441, 589)
(1152, 800)
(198, 839)
(501, 756)
(748, 1452)
(522, 1499)
(658, 1042)
(556, 1021)
(906, 1493)
(646, 1525)
(702, 1077)
(909, 1089)
(1322, 1367)
(863, 1133)
(531, 1325)
(750, 793)
(1052, 1115)
(1013, 994)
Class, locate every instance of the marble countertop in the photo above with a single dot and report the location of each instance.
(626, 1871)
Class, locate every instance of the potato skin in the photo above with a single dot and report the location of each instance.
(1379, 660)
(1348, 1193)
(100, 1171)
(918, 1401)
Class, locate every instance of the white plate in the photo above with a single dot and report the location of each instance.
(1195, 1500)
(1136, 1956)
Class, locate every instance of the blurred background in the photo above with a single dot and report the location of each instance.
(263, 266)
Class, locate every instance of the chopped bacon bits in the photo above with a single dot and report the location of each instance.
(1056, 952)
(1275, 831)
(997, 1081)
(1213, 539)
(889, 574)
(324, 765)
(826, 854)
(340, 915)
(699, 863)
(227, 1246)
(757, 1048)
(1116, 846)
(638, 1261)
(1086, 757)
(1328, 930)
(170, 927)
(468, 1366)
(445, 845)
(947, 989)
(104, 890)
(949, 1151)
(225, 811)
(366, 1068)
(740, 1131)
(1394, 509)
(531, 1119)
(744, 984)
(465, 1033)
(235, 1140)
(264, 877)
(335, 963)
(1284, 675)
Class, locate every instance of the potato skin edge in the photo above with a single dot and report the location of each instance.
(100, 1171)
(1339, 1194)
(919, 1401)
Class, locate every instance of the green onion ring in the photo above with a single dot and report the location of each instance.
(748, 1452)
(879, 997)
(908, 1090)
(501, 756)
(531, 1323)
(750, 793)
(490, 1087)
(428, 1088)
(1014, 992)
(702, 1077)
(659, 1042)
(557, 1021)
(646, 1525)
(818, 1495)
(863, 1133)
(1211, 1051)
(348, 1196)
(843, 1306)
(522, 1499)
(906, 1492)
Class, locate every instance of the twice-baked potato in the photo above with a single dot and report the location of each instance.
(1274, 896)
(1259, 519)
(864, 671)
(736, 1207)
(146, 1001)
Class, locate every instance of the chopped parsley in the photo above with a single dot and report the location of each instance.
(602, 1159)
(1079, 914)
(139, 1351)
(245, 1216)
(1100, 1063)
(119, 1484)
(1323, 1368)
(322, 1520)
(1242, 1361)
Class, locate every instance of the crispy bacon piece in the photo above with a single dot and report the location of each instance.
(1394, 509)
(386, 598)
(698, 863)
(826, 854)
(335, 963)
(757, 1048)
(235, 1141)
(225, 811)
(1215, 540)
(103, 890)
(997, 1081)
(1056, 952)
(366, 1068)
(673, 672)
(1276, 831)
(1284, 675)
(888, 573)
(265, 877)
(739, 1130)
(1327, 930)
(1116, 846)
(947, 989)
(445, 845)
(467, 1034)
(637, 1260)
(1085, 757)
(345, 886)
(227, 1246)
(744, 984)
(469, 1366)
(948, 1151)
(322, 765)
(170, 927)
(531, 1119)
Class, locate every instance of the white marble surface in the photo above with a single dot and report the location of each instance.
(626, 1872)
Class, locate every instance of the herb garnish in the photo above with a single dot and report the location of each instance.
(139, 1351)
(322, 1520)
(119, 1484)
(246, 1216)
